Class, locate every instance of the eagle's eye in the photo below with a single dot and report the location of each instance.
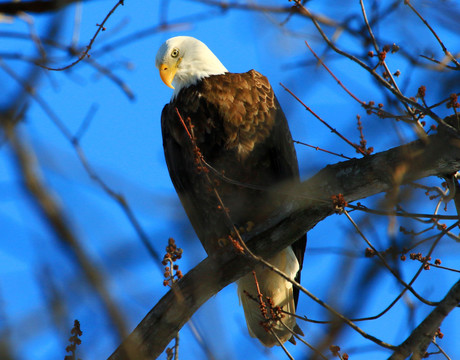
(175, 53)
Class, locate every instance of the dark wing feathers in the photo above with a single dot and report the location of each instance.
(240, 130)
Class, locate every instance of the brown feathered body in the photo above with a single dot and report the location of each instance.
(241, 132)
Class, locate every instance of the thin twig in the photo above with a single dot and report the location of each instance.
(301, 339)
(85, 53)
(444, 49)
(356, 147)
(176, 347)
(335, 77)
(317, 148)
(385, 263)
(401, 214)
(120, 200)
(387, 70)
(369, 28)
(441, 63)
(280, 343)
(441, 350)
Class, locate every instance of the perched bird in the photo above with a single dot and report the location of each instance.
(235, 124)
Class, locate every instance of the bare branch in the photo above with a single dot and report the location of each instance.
(356, 147)
(395, 91)
(423, 335)
(444, 49)
(53, 214)
(84, 54)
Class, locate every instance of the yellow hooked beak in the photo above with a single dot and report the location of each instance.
(167, 74)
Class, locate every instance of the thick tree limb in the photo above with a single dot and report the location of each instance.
(355, 179)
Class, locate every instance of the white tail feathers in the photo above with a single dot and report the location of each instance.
(275, 287)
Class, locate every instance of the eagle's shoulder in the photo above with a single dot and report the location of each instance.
(250, 90)
(246, 104)
(240, 110)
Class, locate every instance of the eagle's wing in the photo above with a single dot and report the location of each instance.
(180, 169)
(284, 160)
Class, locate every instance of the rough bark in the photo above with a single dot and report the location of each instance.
(356, 179)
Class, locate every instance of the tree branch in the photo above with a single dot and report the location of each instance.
(41, 6)
(311, 202)
(423, 335)
(49, 207)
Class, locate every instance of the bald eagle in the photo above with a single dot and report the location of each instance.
(235, 123)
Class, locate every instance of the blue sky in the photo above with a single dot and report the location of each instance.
(123, 144)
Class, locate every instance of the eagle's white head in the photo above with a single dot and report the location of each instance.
(184, 60)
